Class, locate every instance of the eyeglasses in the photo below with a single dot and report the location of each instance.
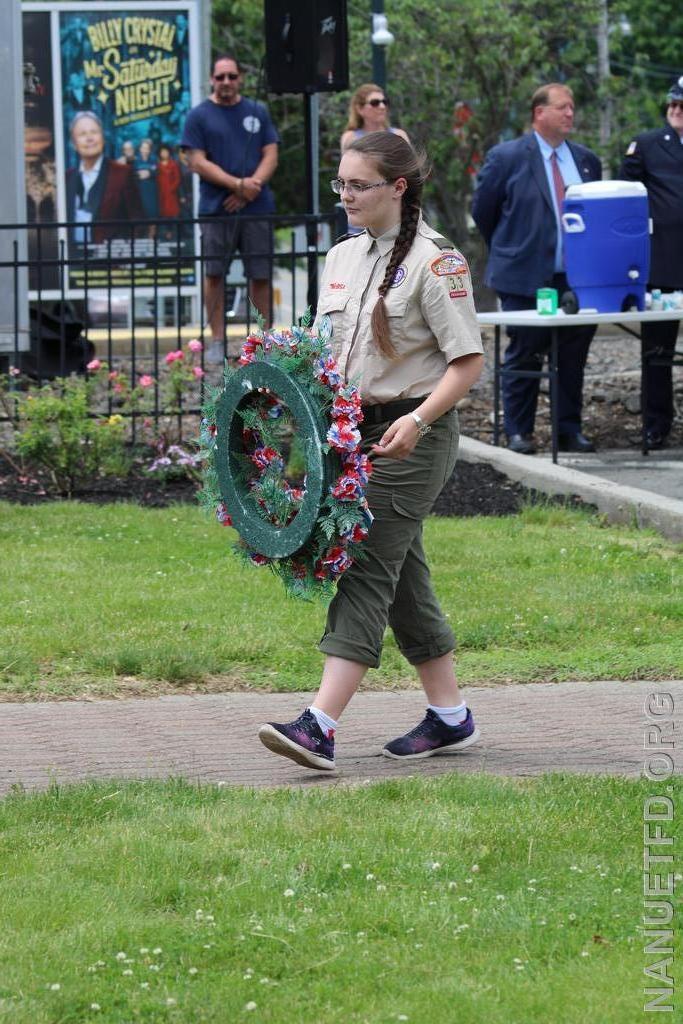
(353, 187)
(378, 103)
(228, 74)
(676, 104)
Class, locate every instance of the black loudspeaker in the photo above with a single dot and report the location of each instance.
(306, 46)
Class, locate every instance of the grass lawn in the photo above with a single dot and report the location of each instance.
(461, 898)
(118, 600)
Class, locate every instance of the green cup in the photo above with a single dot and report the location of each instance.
(546, 301)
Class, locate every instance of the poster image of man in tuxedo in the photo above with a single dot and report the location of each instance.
(98, 189)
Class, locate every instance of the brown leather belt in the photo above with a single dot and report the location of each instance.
(389, 412)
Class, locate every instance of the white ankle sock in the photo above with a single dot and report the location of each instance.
(327, 724)
(451, 716)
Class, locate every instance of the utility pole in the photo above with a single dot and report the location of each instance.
(205, 52)
(604, 94)
(312, 135)
(380, 37)
(13, 280)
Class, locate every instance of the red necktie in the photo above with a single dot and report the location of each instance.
(558, 182)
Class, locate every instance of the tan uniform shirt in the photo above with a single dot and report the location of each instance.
(429, 305)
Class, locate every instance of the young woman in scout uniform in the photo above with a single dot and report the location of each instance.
(404, 328)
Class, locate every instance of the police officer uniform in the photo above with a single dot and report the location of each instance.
(655, 158)
(432, 322)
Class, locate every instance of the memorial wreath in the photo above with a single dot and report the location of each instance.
(282, 458)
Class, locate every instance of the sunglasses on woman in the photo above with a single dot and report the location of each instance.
(378, 103)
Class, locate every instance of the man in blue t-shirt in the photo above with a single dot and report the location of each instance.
(233, 146)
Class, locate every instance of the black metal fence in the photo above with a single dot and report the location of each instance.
(127, 294)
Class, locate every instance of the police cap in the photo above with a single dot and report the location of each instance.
(676, 90)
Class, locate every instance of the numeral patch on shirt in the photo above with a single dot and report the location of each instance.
(456, 286)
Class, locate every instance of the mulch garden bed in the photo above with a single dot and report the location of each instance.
(475, 489)
(611, 419)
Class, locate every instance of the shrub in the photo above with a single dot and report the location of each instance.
(68, 427)
(58, 431)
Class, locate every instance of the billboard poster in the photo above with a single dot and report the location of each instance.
(40, 169)
(125, 94)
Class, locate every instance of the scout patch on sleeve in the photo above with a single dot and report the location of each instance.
(632, 147)
(399, 276)
(457, 286)
(448, 263)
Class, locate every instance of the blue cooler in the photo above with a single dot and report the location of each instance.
(606, 235)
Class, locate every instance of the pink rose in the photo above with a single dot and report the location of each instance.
(146, 381)
(93, 366)
(198, 372)
(172, 357)
(195, 345)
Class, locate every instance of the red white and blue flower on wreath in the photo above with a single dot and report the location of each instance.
(344, 519)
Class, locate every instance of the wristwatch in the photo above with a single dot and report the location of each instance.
(422, 427)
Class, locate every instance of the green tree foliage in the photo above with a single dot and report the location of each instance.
(645, 60)
(651, 46)
(490, 56)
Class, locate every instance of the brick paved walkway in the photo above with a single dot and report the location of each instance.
(576, 727)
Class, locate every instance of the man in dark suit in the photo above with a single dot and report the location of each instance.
(656, 159)
(517, 209)
(98, 189)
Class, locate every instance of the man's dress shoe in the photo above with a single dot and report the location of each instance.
(574, 443)
(521, 443)
(654, 440)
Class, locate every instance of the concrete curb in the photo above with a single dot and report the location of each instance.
(620, 504)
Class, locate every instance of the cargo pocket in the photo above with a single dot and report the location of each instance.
(440, 449)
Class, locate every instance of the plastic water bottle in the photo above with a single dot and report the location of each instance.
(657, 302)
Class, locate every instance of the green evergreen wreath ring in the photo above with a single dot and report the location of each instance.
(321, 467)
(282, 458)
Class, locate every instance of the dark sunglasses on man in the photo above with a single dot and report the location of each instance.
(232, 75)
(377, 103)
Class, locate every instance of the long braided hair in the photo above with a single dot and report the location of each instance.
(394, 158)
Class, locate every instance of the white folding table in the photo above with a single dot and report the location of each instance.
(557, 321)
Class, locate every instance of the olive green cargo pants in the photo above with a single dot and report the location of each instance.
(390, 583)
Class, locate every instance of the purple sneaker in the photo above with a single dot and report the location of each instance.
(301, 740)
(433, 736)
